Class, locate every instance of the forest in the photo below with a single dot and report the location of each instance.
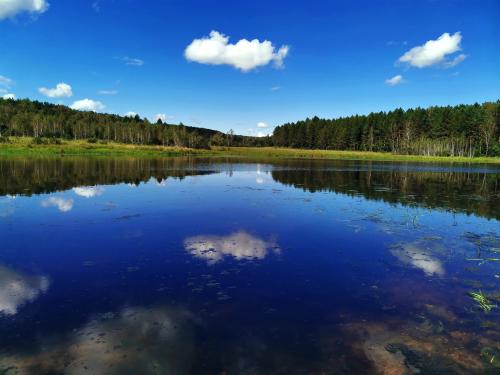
(462, 130)
(47, 122)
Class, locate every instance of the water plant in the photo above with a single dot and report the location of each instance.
(482, 301)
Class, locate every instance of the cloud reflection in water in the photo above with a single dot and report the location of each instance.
(17, 288)
(63, 205)
(418, 256)
(239, 245)
(88, 191)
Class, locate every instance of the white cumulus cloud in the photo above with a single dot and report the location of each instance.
(60, 91)
(9, 96)
(130, 114)
(434, 52)
(262, 125)
(394, 81)
(87, 105)
(9, 8)
(244, 55)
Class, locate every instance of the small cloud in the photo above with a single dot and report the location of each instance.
(10, 8)
(245, 55)
(394, 81)
(434, 52)
(6, 82)
(87, 105)
(130, 114)
(262, 125)
(107, 92)
(162, 116)
(457, 60)
(275, 88)
(63, 205)
(9, 96)
(60, 91)
(133, 61)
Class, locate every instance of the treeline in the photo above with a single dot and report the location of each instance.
(463, 130)
(45, 121)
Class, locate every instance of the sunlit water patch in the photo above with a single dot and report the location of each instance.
(189, 266)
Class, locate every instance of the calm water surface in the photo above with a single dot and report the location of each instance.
(183, 266)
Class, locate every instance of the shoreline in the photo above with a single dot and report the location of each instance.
(23, 147)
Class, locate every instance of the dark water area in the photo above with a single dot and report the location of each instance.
(225, 266)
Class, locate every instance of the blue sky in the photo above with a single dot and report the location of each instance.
(325, 58)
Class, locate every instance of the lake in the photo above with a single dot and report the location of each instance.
(226, 266)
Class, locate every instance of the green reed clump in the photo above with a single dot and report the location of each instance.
(482, 301)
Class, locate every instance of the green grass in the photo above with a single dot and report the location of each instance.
(289, 153)
(26, 147)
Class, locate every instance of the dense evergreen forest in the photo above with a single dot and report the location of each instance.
(47, 122)
(463, 130)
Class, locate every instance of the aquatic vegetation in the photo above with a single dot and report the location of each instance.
(135, 340)
(403, 347)
(422, 362)
(482, 301)
(491, 356)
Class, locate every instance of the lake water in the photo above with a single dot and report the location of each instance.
(192, 266)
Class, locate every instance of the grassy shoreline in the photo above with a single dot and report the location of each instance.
(26, 148)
